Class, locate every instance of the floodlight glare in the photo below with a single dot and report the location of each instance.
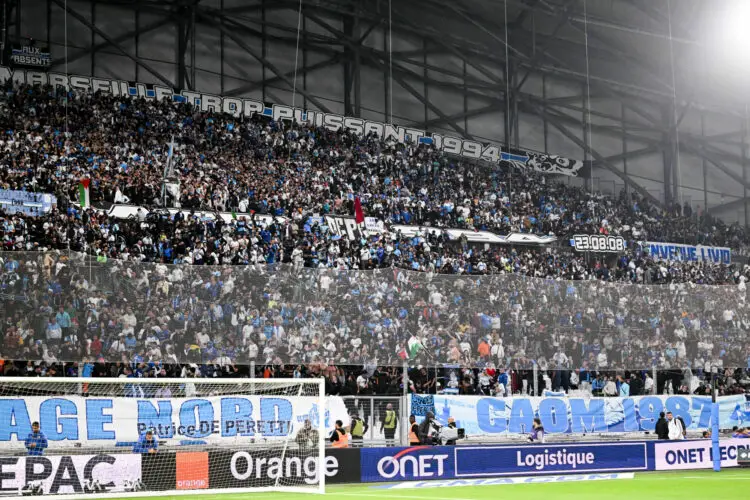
(735, 27)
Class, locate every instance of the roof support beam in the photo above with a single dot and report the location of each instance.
(251, 86)
(65, 7)
(600, 159)
(246, 47)
(119, 39)
(396, 77)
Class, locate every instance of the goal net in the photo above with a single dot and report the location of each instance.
(136, 436)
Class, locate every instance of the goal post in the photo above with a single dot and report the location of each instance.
(122, 437)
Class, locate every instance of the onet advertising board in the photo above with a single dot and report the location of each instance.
(696, 454)
(407, 464)
(419, 463)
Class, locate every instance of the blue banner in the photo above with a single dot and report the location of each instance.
(14, 201)
(549, 459)
(445, 462)
(487, 415)
(420, 405)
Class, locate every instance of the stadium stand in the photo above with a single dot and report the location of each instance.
(86, 291)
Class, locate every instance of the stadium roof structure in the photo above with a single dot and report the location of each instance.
(559, 76)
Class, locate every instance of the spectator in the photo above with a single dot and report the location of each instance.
(676, 427)
(624, 387)
(339, 437)
(36, 441)
(389, 425)
(662, 427)
(537, 432)
(357, 429)
(54, 332)
(307, 438)
(147, 443)
(610, 388)
(414, 439)
(426, 429)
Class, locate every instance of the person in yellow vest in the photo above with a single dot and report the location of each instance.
(414, 431)
(357, 429)
(339, 437)
(389, 424)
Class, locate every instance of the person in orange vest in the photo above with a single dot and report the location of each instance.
(339, 437)
(413, 431)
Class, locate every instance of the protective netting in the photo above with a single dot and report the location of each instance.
(67, 437)
(68, 307)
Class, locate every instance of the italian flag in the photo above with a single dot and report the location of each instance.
(414, 346)
(83, 193)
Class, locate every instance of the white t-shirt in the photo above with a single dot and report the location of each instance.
(675, 430)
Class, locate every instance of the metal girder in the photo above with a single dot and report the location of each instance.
(713, 160)
(469, 50)
(601, 159)
(731, 205)
(491, 32)
(249, 87)
(244, 46)
(563, 20)
(460, 116)
(518, 22)
(438, 39)
(63, 5)
(647, 7)
(404, 84)
(119, 39)
(628, 155)
(614, 48)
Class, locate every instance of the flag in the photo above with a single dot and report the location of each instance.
(83, 193)
(414, 346)
(234, 215)
(420, 405)
(359, 215)
(121, 198)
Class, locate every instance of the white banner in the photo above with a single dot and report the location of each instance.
(539, 162)
(123, 419)
(480, 415)
(671, 455)
(63, 474)
(346, 226)
(687, 253)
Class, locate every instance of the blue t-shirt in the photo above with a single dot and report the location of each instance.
(39, 440)
(144, 445)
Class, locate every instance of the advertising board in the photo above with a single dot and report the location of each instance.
(69, 474)
(478, 461)
(670, 455)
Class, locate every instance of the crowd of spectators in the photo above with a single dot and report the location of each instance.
(85, 287)
(60, 306)
(256, 166)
